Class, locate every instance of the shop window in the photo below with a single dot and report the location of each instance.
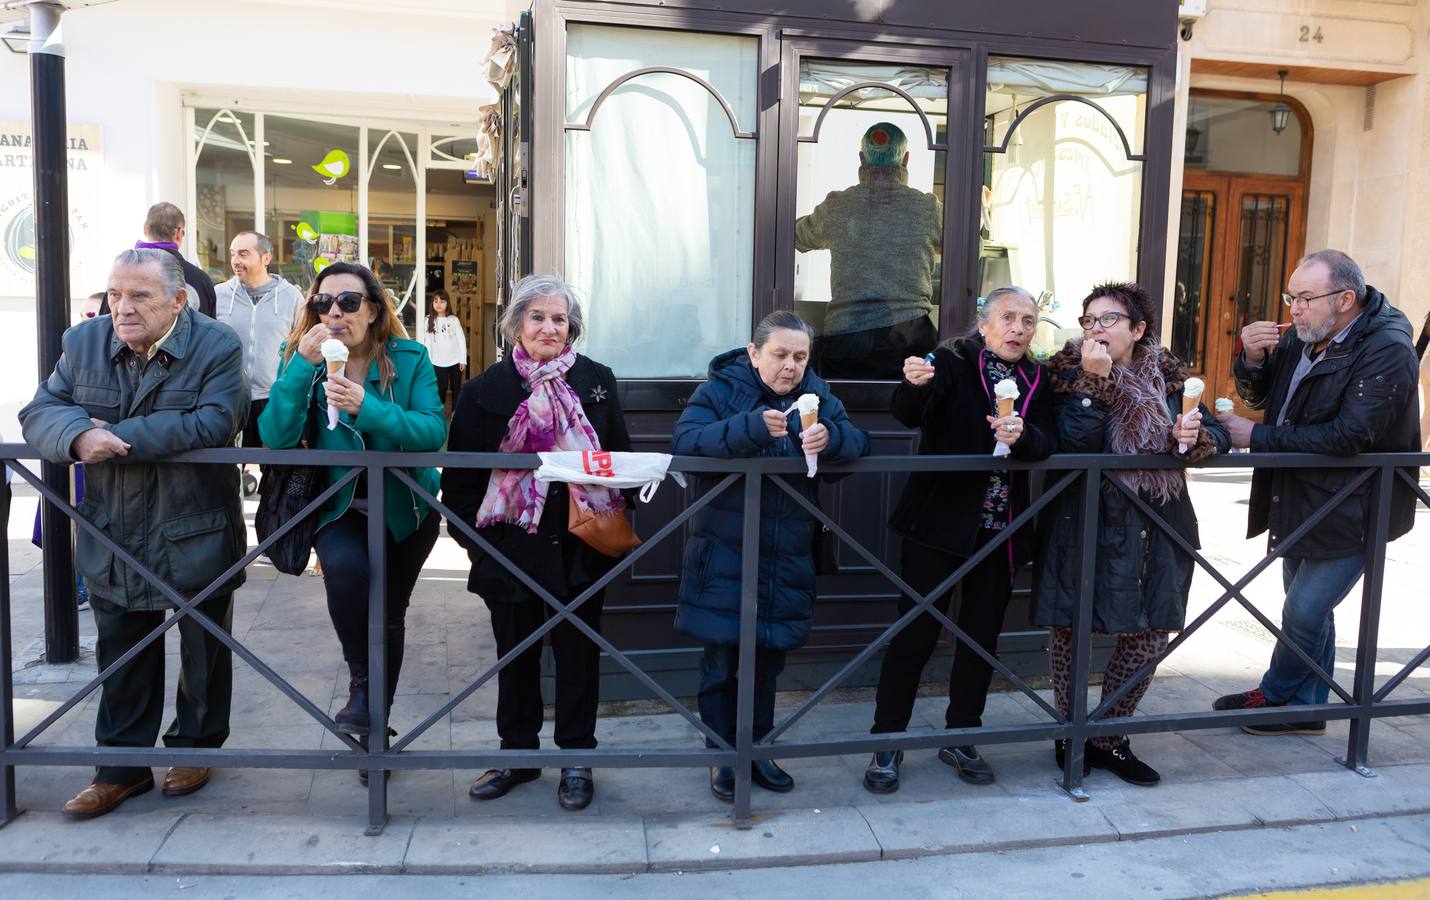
(1234, 134)
(392, 216)
(1062, 192)
(1191, 294)
(225, 170)
(868, 232)
(660, 195)
(311, 192)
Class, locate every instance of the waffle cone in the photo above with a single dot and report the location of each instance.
(1005, 406)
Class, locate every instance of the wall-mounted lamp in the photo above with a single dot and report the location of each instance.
(1281, 112)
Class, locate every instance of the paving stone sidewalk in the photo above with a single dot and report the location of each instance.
(291, 821)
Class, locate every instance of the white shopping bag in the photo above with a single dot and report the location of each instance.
(613, 470)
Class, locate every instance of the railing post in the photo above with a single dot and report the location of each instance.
(1082, 634)
(8, 810)
(749, 607)
(376, 645)
(1372, 589)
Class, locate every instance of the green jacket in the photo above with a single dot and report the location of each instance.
(407, 417)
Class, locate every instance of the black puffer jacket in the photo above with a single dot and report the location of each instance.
(942, 509)
(1141, 577)
(1360, 398)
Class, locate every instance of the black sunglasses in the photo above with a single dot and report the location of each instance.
(348, 302)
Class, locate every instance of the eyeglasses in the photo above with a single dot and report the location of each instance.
(348, 302)
(1106, 320)
(1292, 301)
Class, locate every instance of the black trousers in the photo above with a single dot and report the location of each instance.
(878, 353)
(519, 707)
(448, 378)
(250, 428)
(131, 701)
(986, 591)
(719, 682)
(342, 549)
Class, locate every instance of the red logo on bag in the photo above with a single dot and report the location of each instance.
(599, 463)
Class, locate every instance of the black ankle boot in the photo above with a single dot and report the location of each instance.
(1060, 747)
(1123, 763)
(362, 773)
(352, 718)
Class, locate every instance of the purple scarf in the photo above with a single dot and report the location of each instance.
(550, 418)
(1141, 423)
(156, 245)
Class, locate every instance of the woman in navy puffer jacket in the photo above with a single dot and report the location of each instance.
(746, 409)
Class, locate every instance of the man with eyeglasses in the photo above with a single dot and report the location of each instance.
(261, 308)
(1341, 380)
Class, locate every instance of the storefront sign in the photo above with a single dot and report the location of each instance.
(18, 252)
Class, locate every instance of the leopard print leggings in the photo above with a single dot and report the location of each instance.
(1133, 651)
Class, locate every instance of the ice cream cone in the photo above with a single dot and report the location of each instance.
(335, 356)
(1005, 406)
(1191, 399)
(808, 406)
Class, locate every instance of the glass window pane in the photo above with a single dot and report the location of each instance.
(392, 215)
(869, 226)
(1234, 134)
(1062, 206)
(312, 197)
(660, 198)
(1194, 271)
(223, 179)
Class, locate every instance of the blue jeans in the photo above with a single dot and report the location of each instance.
(1314, 587)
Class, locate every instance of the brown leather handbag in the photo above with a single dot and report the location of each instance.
(611, 535)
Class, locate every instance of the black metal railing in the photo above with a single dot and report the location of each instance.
(1084, 474)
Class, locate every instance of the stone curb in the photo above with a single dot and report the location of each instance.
(204, 844)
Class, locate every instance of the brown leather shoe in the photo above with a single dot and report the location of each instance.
(98, 799)
(181, 780)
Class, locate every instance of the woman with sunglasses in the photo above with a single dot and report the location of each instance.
(1118, 391)
(386, 398)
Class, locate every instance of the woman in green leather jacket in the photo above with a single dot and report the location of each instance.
(386, 397)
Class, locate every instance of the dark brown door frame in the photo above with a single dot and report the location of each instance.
(774, 165)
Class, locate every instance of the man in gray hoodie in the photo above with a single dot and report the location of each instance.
(261, 308)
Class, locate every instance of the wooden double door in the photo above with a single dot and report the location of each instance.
(1240, 237)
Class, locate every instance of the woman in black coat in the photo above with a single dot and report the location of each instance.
(1119, 392)
(944, 517)
(501, 410)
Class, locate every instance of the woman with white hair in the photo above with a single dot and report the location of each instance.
(542, 396)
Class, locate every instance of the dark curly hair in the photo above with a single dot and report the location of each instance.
(1134, 300)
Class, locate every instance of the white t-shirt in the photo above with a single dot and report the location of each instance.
(446, 342)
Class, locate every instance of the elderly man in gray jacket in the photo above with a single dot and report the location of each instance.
(151, 380)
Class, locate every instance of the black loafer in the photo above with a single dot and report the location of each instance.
(1121, 762)
(882, 775)
(768, 775)
(722, 783)
(497, 782)
(1059, 747)
(971, 767)
(576, 789)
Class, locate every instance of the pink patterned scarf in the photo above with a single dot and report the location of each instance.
(550, 418)
(1141, 423)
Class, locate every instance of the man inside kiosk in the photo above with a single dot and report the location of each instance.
(884, 239)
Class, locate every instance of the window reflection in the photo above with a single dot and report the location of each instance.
(1062, 201)
(869, 231)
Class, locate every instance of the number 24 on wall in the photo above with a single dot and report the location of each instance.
(1307, 35)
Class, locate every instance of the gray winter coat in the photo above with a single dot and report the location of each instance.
(183, 521)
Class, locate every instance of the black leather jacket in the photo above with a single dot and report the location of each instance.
(1360, 398)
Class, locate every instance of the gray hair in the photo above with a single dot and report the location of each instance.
(171, 275)
(780, 319)
(260, 239)
(1345, 275)
(985, 313)
(534, 287)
